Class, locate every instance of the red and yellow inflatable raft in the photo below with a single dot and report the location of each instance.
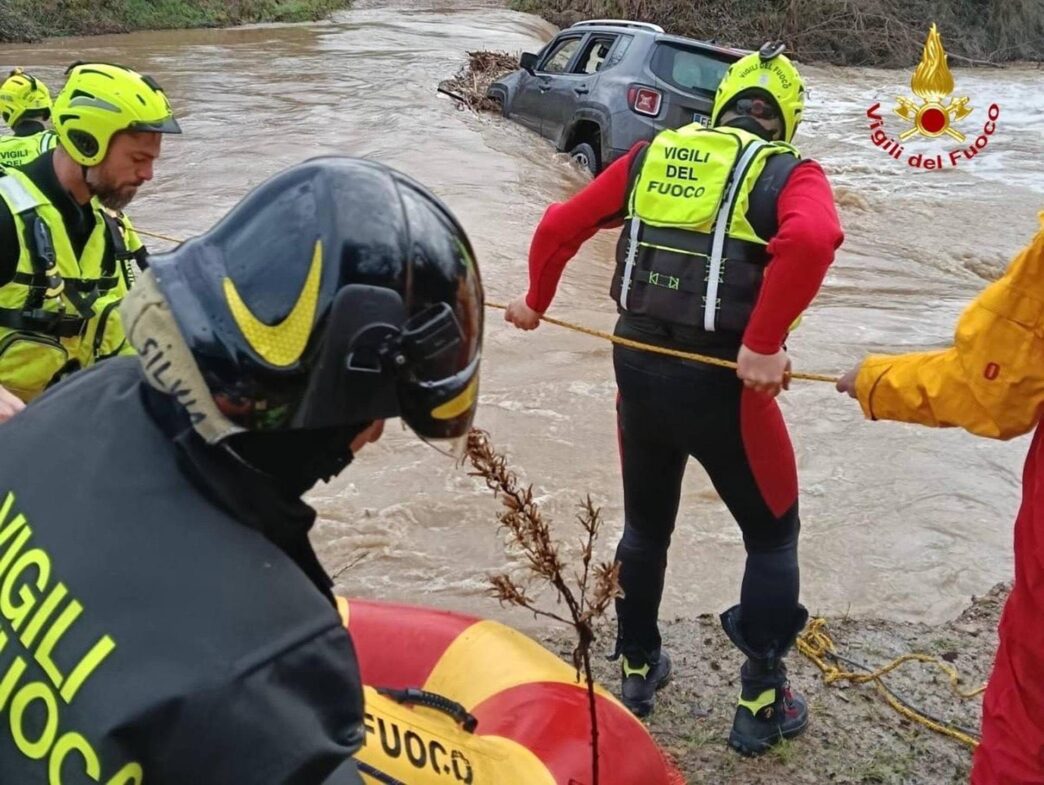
(452, 699)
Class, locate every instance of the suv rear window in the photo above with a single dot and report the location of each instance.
(687, 68)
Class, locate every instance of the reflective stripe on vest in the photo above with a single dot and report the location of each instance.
(48, 139)
(95, 261)
(632, 253)
(17, 196)
(737, 176)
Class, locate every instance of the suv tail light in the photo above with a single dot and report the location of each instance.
(644, 100)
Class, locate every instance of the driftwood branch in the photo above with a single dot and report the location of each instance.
(468, 87)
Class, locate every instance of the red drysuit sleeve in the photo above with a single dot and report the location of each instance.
(802, 251)
(568, 225)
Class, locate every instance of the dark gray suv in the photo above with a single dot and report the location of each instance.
(599, 86)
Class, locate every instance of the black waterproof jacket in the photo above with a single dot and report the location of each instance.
(163, 619)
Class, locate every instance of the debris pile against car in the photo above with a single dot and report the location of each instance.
(600, 86)
(469, 85)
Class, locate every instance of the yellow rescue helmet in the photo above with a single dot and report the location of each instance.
(769, 72)
(100, 100)
(23, 95)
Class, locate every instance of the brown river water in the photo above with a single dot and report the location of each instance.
(899, 521)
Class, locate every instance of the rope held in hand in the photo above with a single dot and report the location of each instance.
(645, 347)
(648, 347)
(815, 643)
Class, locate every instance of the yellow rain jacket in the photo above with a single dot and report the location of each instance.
(991, 381)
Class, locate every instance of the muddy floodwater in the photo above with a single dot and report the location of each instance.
(898, 521)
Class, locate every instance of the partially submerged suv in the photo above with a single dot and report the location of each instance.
(599, 86)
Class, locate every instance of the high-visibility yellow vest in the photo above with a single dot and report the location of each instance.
(59, 312)
(693, 247)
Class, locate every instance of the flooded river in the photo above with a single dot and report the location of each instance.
(898, 521)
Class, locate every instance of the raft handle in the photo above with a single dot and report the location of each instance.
(433, 700)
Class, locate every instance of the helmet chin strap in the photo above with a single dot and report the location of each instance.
(296, 459)
(86, 183)
(166, 361)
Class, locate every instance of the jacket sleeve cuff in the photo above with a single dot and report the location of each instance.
(533, 303)
(868, 380)
(758, 344)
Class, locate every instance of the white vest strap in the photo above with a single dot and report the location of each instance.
(721, 228)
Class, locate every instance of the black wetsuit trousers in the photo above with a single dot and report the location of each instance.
(667, 411)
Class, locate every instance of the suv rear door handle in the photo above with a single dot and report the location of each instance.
(582, 90)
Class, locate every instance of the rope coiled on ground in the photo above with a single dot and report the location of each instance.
(817, 645)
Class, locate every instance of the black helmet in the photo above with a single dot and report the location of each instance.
(336, 293)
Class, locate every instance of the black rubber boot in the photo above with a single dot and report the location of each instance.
(640, 679)
(768, 711)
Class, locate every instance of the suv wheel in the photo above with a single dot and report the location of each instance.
(585, 157)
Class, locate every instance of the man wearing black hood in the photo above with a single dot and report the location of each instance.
(163, 617)
(727, 235)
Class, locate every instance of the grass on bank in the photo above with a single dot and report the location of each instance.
(31, 20)
(844, 32)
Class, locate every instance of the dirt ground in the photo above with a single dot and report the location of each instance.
(853, 736)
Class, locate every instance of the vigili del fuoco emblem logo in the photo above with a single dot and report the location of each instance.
(933, 114)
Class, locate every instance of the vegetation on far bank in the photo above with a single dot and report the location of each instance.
(887, 33)
(31, 20)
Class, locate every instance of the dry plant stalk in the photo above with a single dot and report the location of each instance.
(593, 589)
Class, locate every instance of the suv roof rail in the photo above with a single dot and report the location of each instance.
(619, 23)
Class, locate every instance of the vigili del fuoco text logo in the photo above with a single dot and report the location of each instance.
(935, 116)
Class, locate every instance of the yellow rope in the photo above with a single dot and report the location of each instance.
(645, 347)
(648, 347)
(158, 236)
(816, 644)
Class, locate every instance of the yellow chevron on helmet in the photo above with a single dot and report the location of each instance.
(23, 95)
(770, 72)
(100, 100)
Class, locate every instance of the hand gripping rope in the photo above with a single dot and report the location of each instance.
(646, 347)
(815, 642)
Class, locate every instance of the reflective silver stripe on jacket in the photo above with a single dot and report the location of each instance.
(721, 228)
(17, 195)
(632, 252)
